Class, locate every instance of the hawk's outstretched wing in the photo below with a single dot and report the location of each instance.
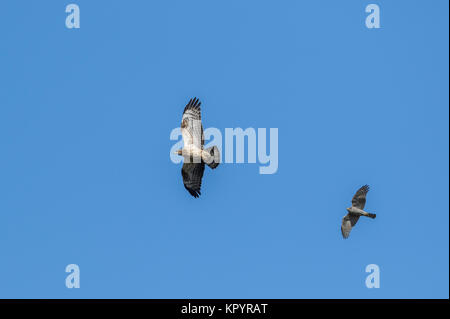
(192, 177)
(191, 124)
(359, 200)
(348, 222)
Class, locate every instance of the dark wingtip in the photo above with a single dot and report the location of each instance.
(193, 103)
(194, 193)
(365, 188)
(196, 103)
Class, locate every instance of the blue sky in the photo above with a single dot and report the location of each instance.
(86, 178)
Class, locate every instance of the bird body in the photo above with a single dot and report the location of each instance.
(191, 154)
(359, 212)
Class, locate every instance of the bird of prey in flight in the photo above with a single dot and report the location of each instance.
(195, 157)
(356, 210)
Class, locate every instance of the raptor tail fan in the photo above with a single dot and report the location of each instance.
(212, 157)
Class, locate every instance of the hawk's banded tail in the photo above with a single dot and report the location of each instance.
(212, 157)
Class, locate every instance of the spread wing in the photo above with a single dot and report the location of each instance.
(348, 222)
(192, 177)
(191, 124)
(359, 200)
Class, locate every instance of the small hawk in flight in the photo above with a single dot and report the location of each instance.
(356, 210)
(195, 157)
